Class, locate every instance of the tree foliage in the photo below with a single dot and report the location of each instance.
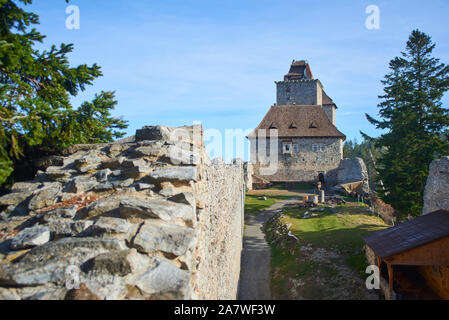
(415, 122)
(36, 88)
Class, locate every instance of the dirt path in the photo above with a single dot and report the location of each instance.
(255, 267)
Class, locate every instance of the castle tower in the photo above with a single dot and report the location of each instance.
(301, 88)
(307, 145)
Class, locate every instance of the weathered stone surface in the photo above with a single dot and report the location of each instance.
(102, 206)
(161, 236)
(436, 193)
(46, 292)
(81, 184)
(126, 235)
(248, 175)
(91, 161)
(156, 208)
(31, 237)
(45, 197)
(353, 170)
(111, 228)
(9, 294)
(67, 227)
(114, 262)
(150, 150)
(57, 173)
(184, 197)
(174, 174)
(48, 263)
(144, 186)
(118, 148)
(134, 168)
(106, 186)
(103, 175)
(113, 164)
(14, 199)
(177, 155)
(29, 186)
(58, 213)
(166, 280)
(153, 133)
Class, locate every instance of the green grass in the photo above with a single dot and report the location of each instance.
(254, 205)
(339, 230)
(342, 230)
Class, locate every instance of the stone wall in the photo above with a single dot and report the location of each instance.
(330, 112)
(220, 231)
(149, 217)
(248, 171)
(436, 193)
(353, 170)
(299, 92)
(307, 164)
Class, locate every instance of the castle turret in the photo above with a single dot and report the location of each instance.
(301, 88)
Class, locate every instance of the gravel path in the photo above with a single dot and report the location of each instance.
(255, 267)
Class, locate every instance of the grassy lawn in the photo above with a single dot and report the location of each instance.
(329, 252)
(293, 186)
(254, 205)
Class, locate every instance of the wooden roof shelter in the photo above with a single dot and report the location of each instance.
(423, 241)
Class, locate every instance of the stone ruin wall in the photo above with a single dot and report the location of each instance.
(436, 193)
(149, 217)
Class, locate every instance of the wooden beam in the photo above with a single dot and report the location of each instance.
(390, 276)
(379, 262)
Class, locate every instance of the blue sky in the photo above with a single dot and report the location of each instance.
(174, 62)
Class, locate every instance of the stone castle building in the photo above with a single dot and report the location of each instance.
(309, 146)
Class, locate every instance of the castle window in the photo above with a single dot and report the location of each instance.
(296, 148)
(315, 147)
(287, 148)
(313, 125)
(323, 147)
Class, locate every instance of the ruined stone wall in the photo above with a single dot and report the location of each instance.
(248, 171)
(299, 92)
(307, 164)
(220, 231)
(146, 218)
(436, 193)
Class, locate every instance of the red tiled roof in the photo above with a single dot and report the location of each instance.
(309, 121)
(327, 99)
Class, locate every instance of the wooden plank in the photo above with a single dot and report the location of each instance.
(390, 277)
(437, 278)
(429, 254)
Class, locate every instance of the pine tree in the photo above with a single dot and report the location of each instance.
(415, 122)
(36, 113)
